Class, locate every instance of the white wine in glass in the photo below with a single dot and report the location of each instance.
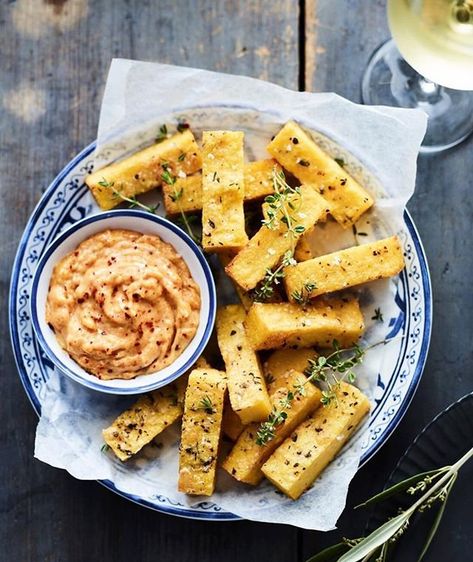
(429, 65)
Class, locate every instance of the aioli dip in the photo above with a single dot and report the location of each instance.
(123, 304)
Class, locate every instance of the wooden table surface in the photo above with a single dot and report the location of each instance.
(54, 57)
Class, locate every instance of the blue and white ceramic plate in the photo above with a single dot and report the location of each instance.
(407, 314)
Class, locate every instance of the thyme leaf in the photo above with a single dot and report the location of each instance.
(133, 201)
(162, 134)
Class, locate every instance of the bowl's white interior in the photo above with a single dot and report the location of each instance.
(146, 226)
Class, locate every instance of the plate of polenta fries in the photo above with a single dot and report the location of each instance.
(324, 312)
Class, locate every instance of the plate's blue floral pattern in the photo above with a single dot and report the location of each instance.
(67, 200)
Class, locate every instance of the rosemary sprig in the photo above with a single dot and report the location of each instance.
(320, 369)
(302, 297)
(133, 201)
(206, 405)
(436, 486)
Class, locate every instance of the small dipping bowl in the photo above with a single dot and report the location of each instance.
(145, 223)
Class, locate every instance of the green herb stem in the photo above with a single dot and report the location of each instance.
(390, 531)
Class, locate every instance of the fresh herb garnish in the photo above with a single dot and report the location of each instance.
(186, 221)
(435, 485)
(133, 201)
(266, 431)
(302, 297)
(378, 316)
(166, 175)
(206, 405)
(331, 371)
(326, 369)
(176, 195)
(320, 369)
(104, 448)
(162, 135)
(340, 161)
(282, 205)
(281, 208)
(266, 290)
(181, 157)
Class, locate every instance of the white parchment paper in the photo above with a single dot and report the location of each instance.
(379, 146)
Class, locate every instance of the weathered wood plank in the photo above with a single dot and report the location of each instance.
(340, 37)
(55, 56)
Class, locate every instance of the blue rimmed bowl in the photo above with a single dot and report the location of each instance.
(146, 223)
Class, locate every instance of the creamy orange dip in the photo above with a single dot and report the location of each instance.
(123, 304)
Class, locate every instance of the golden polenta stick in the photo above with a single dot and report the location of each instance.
(231, 423)
(245, 299)
(201, 428)
(303, 249)
(247, 456)
(149, 416)
(281, 361)
(298, 153)
(223, 220)
(246, 386)
(268, 245)
(346, 268)
(143, 170)
(295, 465)
(185, 196)
(272, 326)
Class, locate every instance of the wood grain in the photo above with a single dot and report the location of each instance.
(54, 59)
(340, 37)
(55, 56)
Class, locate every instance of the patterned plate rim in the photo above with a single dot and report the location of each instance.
(214, 513)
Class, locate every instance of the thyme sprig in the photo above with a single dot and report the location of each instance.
(326, 369)
(265, 291)
(321, 369)
(302, 297)
(176, 196)
(282, 206)
(133, 201)
(267, 430)
(435, 487)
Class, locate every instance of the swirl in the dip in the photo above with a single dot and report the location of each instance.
(123, 304)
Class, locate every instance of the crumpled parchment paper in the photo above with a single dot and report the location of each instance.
(380, 147)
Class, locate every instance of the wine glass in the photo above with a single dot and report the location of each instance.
(428, 65)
